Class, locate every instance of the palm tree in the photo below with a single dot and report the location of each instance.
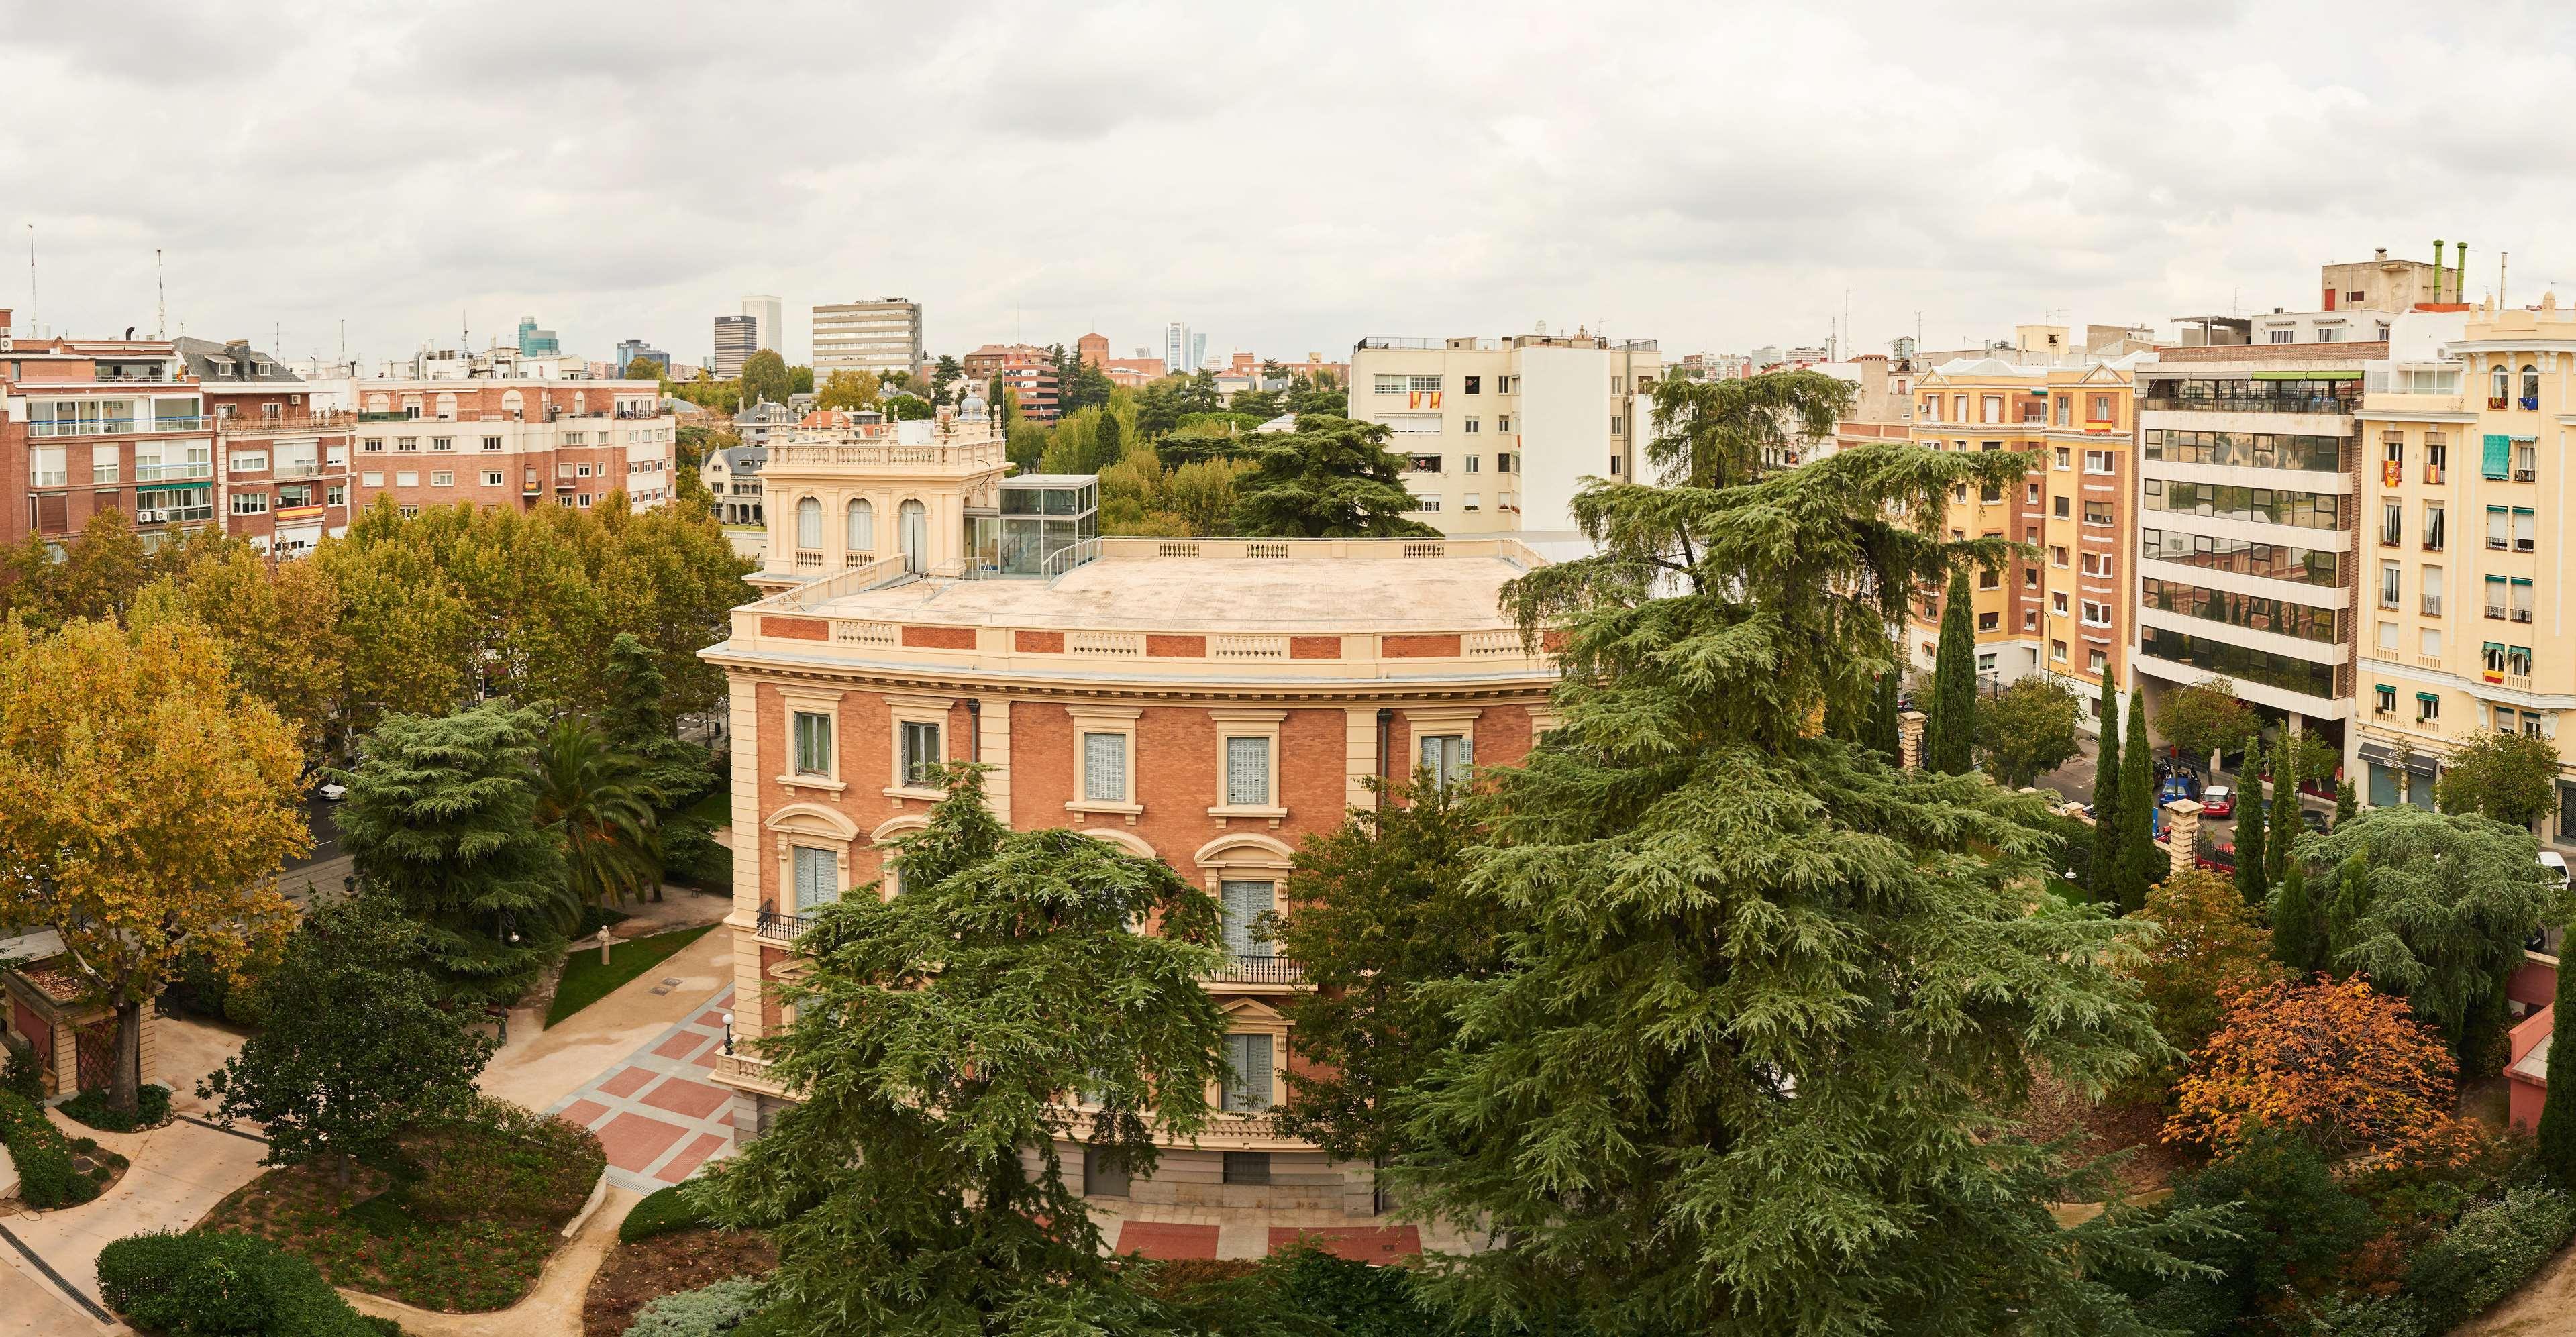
(595, 799)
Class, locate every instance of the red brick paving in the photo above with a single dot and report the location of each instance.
(713, 1020)
(679, 1095)
(1166, 1240)
(1360, 1244)
(633, 1140)
(689, 1158)
(681, 1045)
(627, 1082)
(583, 1112)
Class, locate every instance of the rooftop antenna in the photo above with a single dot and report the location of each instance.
(160, 299)
(31, 278)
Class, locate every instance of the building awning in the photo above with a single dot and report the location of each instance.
(2306, 375)
(2375, 752)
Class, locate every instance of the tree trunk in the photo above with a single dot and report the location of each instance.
(125, 1092)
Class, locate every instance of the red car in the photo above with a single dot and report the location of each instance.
(2218, 801)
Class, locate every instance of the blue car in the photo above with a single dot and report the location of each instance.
(2179, 785)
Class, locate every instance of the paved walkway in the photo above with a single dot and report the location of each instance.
(540, 1066)
(178, 1174)
(553, 1309)
(656, 1113)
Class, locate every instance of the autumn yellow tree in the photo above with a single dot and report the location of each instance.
(2212, 947)
(280, 622)
(146, 803)
(2339, 1063)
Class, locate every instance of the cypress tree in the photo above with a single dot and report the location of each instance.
(2558, 1117)
(2345, 806)
(2146, 864)
(2252, 867)
(2343, 914)
(2298, 940)
(1885, 737)
(1950, 746)
(2285, 830)
(2107, 848)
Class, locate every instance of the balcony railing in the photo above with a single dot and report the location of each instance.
(194, 471)
(780, 927)
(304, 469)
(2432, 605)
(2496, 611)
(113, 426)
(245, 424)
(1246, 969)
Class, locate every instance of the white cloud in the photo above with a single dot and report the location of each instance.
(1284, 180)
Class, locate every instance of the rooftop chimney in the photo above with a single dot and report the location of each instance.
(2380, 253)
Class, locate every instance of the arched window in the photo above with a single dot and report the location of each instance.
(809, 523)
(912, 522)
(512, 402)
(447, 406)
(2530, 386)
(2503, 386)
(862, 536)
(580, 402)
(377, 403)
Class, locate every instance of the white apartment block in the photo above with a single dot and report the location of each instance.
(1501, 433)
(769, 323)
(880, 337)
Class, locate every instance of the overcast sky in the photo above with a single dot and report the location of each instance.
(1284, 178)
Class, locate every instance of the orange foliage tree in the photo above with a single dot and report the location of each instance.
(2339, 1063)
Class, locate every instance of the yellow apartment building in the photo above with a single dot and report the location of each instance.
(2464, 485)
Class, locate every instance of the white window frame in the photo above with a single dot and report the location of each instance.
(1119, 720)
(794, 701)
(903, 710)
(1263, 724)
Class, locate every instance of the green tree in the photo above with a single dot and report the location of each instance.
(1953, 725)
(1722, 431)
(442, 814)
(2104, 881)
(1263, 404)
(357, 1047)
(1083, 387)
(2286, 826)
(2253, 864)
(943, 374)
(2143, 862)
(597, 803)
(2558, 1119)
(2027, 729)
(1322, 394)
(908, 407)
(849, 390)
(2510, 777)
(2298, 935)
(2291, 1226)
(2204, 717)
(643, 369)
(1197, 393)
(800, 380)
(2345, 805)
(1885, 733)
(1380, 914)
(2212, 948)
(912, 1192)
(765, 376)
(1710, 1072)
(636, 720)
(2451, 899)
(1331, 478)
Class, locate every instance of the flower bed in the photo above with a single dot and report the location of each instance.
(53, 1170)
(151, 1110)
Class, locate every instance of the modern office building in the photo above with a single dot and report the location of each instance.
(534, 342)
(1208, 702)
(737, 338)
(630, 349)
(769, 323)
(2247, 504)
(879, 336)
(1499, 434)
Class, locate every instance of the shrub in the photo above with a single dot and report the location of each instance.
(21, 1076)
(151, 1110)
(661, 1213)
(708, 1311)
(691, 855)
(2488, 1253)
(201, 1285)
(1352, 1298)
(504, 1162)
(46, 1176)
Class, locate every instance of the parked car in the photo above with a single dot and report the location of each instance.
(2313, 820)
(2556, 863)
(2219, 858)
(333, 793)
(2218, 801)
(2179, 785)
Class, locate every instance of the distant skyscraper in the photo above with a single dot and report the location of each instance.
(630, 349)
(1176, 348)
(737, 338)
(879, 336)
(1198, 351)
(534, 342)
(772, 331)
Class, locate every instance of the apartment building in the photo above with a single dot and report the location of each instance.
(736, 339)
(1208, 702)
(95, 424)
(2467, 426)
(732, 476)
(1027, 370)
(1882, 406)
(510, 442)
(1499, 434)
(879, 336)
(2247, 501)
(283, 447)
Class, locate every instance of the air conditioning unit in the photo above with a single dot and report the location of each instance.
(152, 517)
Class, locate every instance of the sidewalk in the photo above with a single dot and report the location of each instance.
(178, 1173)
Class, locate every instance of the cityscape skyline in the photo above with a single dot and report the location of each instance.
(1690, 193)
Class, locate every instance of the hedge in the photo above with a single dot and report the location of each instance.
(208, 1285)
(151, 1110)
(662, 1212)
(708, 1311)
(46, 1176)
(2488, 1254)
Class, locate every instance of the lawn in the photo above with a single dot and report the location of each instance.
(585, 981)
(360, 1239)
(715, 809)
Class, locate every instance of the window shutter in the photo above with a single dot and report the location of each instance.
(1249, 1056)
(2499, 450)
(1247, 771)
(814, 878)
(1104, 767)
